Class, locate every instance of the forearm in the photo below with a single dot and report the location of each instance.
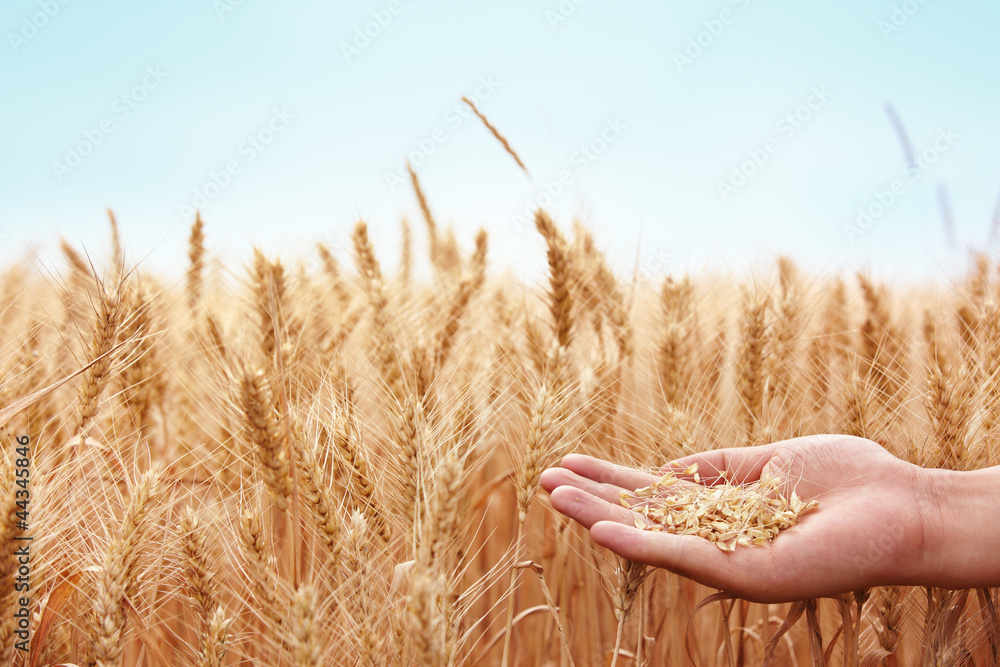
(961, 513)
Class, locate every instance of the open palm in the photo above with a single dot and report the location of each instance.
(868, 529)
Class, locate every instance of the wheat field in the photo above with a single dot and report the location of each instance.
(265, 465)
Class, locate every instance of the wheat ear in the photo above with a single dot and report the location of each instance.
(537, 449)
(371, 274)
(434, 242)
(560, 280)
(318, 495)
(351, 452)
(262, 430)
(203, 591)
(118, 576)
(196, 268)
(496, 133)
(304, 627)
(105, 335)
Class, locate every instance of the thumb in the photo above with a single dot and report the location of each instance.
(785, 464)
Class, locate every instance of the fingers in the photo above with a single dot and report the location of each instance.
(741, 465)
(744, 571)
(605, 472)
(556, 477)
(588, 509)
(687, 555)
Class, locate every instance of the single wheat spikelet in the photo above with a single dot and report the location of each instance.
(332, 269)
(857, 408)
(425, 210)
(496, 133)
(305, 628)
(409, 440)
(371, 275)
(117, 249)
(259, 569)
(423, 620)
(890, 615)
(560, 279)
(437, 558)
(352, 455)
(317, 493)
(360, 605)
(467, 287)
(203, 591)
(881, 348)
(214, 645)
(405, 252)
(537, 449)
(196, 257)
(675, 355)
(629, 577)
(200, 584)
(680, 431)
(442, 525)
(948, 402)
(105, 335)
(787, 328)
(271, 300)
(599, 290)
(263, 432)
(754, 348)
(81, 267)
(142, 385)
(118, 576)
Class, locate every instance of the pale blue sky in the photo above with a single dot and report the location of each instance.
(338, 124)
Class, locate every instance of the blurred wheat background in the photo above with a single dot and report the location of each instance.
(266, 465)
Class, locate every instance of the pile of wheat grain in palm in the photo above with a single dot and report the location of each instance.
(729, 515)
(263, 465)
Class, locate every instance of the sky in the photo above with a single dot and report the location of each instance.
(689, 136)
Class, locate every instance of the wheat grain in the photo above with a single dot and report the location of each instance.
(728, 515)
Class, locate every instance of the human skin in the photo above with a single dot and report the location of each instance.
(880, 521)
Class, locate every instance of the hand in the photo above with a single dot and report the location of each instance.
(869, 528)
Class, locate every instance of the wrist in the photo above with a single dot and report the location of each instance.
(960, 545)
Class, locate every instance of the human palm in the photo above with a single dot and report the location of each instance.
(867, 530)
